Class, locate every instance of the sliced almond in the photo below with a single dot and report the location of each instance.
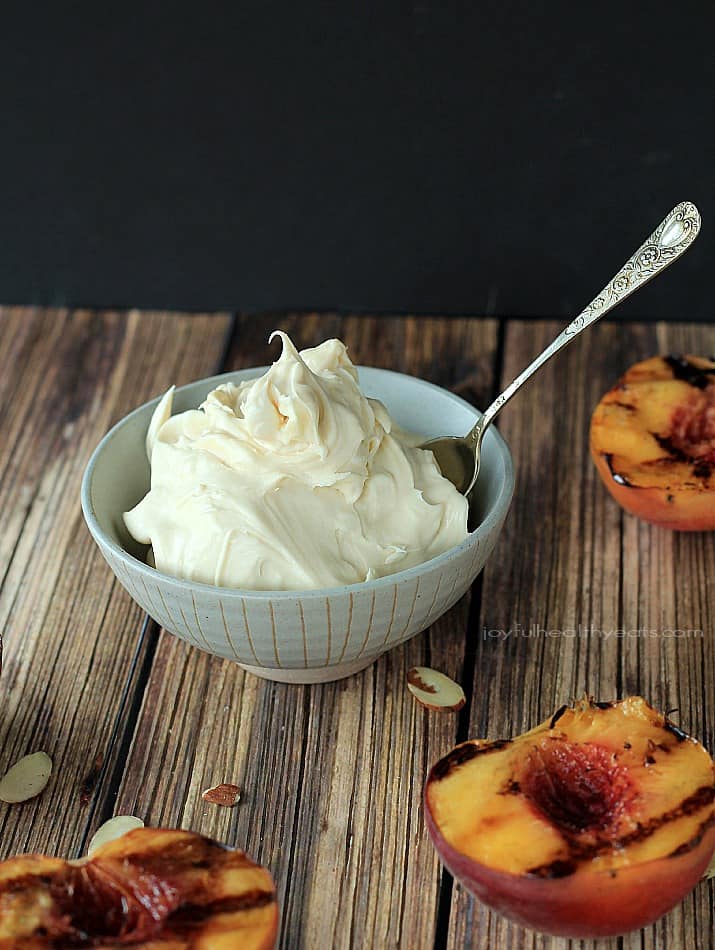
(224, 794)
(435, 690)
(26, 778)
(112, 829)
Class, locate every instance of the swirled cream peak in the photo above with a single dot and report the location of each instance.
(290, 481)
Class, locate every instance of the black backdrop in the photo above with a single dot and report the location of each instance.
(486, 157)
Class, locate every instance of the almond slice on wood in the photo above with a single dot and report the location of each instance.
(435, 690)
(27, 778)
(223, 794)
(112, 829)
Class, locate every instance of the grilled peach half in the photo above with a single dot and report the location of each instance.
(653, 441)
(153, 888)
(593, 824)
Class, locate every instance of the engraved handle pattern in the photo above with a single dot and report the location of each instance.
(671, 238)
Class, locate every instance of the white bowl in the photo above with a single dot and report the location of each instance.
(311, 635)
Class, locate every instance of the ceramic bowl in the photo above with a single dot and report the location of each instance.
(311, 635)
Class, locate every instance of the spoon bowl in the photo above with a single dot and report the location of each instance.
(458, 458)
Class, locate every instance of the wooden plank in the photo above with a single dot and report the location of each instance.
(331, 775)
(69, 631)
(570, 572)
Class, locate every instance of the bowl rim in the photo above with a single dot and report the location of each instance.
(496, 512)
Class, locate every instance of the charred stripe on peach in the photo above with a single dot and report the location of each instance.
(464, 753)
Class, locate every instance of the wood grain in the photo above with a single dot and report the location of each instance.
(69, 630)
(580, 597)
(331, 775)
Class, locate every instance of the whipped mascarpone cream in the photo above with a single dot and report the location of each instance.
(290, 481)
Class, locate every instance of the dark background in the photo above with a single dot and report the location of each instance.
(486, 157)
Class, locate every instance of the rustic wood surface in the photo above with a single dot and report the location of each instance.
(137, 721)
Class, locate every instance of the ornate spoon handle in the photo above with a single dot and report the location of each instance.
(671, 238)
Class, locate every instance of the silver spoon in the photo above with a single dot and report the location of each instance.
(459, 456)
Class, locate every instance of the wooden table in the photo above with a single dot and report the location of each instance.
(138, 722)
